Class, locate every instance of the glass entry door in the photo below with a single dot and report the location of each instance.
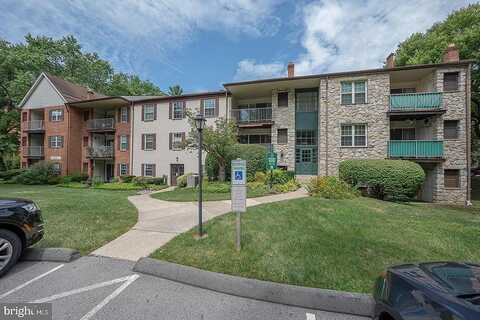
(306, 131)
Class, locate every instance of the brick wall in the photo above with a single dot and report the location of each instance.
(57, 128)
(284, 118)
(122, 129)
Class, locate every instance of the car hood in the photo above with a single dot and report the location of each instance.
(6, 203)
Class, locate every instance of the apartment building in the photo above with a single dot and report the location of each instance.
(420, 113)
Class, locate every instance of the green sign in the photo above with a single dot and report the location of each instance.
(271, 160)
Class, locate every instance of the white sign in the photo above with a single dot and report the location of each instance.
(239, 185)
(55, 158)
(239, 172)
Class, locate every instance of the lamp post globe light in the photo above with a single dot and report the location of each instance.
(200, 125)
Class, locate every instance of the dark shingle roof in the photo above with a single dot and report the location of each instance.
(72, 92)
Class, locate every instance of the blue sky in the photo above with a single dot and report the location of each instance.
(201, 44)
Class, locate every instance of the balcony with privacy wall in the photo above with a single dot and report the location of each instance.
(101, 125)
(252, 115)
(416, 149)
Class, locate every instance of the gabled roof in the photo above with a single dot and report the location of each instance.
(69, 92)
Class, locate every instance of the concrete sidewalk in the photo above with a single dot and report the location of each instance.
(160, 221)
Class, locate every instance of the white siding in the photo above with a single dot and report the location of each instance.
(44, 95)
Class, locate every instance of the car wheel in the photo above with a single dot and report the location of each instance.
(10, 250)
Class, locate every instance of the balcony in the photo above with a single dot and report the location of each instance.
(252, 116)
(35, 125)
(416, 103)
(107, 124)
(33, 152)
(100, 152)
(415, 149)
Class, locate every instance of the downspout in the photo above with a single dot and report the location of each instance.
(226, 105)
(468, 131)
(132, 124)
(326, 127)
(68, 138)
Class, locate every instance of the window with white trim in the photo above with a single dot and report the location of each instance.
(123, 143)
(149, 112)
(178, 109)
(149, 141)
(177, 141)
(124, 114)
(354, 92)
(354, 135)
(56, 115)
(148, 170)
(55, 142)
(123, 169)
(209, 107)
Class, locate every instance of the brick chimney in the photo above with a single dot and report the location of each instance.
(451, 54)
(390, 61)
(291, 70)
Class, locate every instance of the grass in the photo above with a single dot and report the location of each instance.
(332, 244)
(119, 186)
(81, 219)
(191, 194)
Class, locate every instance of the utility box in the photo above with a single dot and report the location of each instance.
(192, 180)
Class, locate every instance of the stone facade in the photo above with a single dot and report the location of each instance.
(284, 118)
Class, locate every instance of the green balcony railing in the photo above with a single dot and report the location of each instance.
(415, 149)
(426, 101)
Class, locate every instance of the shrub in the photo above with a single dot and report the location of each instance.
(157, 180)
(10, 174)
(40, 173)
(182, 180)
(331, 188)
(259, 187)
(145, 181)
(217, 187)
(79, 177)
(386, 179)
(277, 176)
(260, 177)
(290, 185)
(254, 154)
(126, 179)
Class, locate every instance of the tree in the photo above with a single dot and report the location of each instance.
(175, 90)
(22, 63)
(216, 141)
(462, 28)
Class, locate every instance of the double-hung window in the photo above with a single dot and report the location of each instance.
(56, 115)
(123, 143)
(56, 168)
(354, 135)
(149, 170)
(124, 114)
(209, 106)
(123, 169)
(177, 140)
(354, 92)
(148, 112)
(55, 142)
(149, 141)
(450, 81)
(450, 129)
(178, 109)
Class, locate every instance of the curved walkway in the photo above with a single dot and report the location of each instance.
(160, 221)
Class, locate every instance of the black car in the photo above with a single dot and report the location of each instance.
(433, 291)
(21, 226)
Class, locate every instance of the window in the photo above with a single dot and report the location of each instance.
(86, 115)
(282, 99)
(24, 116)
(56, 115)
(85, 167)
(450, 129)
(55, 142)
(149, 112)
(451, 178)
(403, 90)
(450, 81)
(354, 92)
(148, 141)
(282, 136)
(402, 134)
(57, 167)
(176, 140)
(124, 114)
(148, 170)
(123, 169)
(354, 135)
(85, 141)
(209, 108)
(255, 139)
(123, 143)
(178, 110)
(24, 141)
(305, 137)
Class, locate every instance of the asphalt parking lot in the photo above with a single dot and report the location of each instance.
(103, 288)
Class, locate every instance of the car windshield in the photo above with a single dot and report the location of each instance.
(463, 279)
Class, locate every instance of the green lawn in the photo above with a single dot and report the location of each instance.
(82, 219)
(191, 194)
(333, 244)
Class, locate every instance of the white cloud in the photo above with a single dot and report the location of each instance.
(348, 35)
(128, 31)
(249, 69)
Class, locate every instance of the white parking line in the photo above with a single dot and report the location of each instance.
(30, 281)
(311, 316)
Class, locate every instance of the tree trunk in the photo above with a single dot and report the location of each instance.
(221, 172)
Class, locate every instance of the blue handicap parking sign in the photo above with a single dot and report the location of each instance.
(238, 175)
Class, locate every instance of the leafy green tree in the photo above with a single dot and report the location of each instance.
(175, 90)
(21, 63)
(216, 141)
(462, 28)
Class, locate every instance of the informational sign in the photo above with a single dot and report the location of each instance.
(239, 193)
(239, 172)
(55, 158)
(271, 160)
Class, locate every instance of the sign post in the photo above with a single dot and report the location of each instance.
(271, 164)
(239, 194)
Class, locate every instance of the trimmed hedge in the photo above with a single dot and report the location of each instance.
(254, 154)
(10, 174)
(385, 179)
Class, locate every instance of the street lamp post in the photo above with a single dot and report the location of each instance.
(200, 125)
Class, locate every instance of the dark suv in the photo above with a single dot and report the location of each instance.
(21, 226)
(429, 291)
